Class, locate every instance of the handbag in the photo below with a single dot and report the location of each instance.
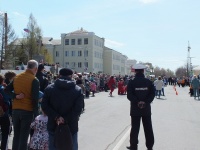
(63, 138)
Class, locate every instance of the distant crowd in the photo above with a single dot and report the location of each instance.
(39, 94)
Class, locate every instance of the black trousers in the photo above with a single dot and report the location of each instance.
(148, 130)
(5, 129)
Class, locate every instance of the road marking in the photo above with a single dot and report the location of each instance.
(122, 140)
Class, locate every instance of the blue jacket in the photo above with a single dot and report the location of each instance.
(195, 83)
(6, 98)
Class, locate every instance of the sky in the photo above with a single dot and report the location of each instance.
(155, 31)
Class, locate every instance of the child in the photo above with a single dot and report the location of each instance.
(39, 140)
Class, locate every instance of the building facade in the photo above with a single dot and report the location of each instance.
(129, 64)
(81, 51)
(114, 62)
(84, 51)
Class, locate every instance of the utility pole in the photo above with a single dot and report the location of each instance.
(3, 37)
(6, 31)
(188, 60)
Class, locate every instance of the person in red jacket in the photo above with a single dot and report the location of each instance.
(111, 84)
(121, 87)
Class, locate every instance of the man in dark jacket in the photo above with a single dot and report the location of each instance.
(63, 103)
(140, 92)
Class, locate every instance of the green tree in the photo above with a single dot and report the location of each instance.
(33, 37)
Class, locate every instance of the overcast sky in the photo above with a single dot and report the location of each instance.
(155, 31)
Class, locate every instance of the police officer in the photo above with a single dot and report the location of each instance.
(140, 92)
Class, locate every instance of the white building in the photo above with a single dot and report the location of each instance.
(129, 63)
(81, 51)
(84, 51)
(114, 62)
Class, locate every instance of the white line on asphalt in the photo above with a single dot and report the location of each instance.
(119, 144)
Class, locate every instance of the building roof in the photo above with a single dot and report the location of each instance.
(50, 40)
(81, 31)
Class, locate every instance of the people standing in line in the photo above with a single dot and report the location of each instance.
(63, 104)
(111, 85)
(140, 92)
(4, 115)
(40, 137)
(25, 104)
(158, 85)
(195, 86)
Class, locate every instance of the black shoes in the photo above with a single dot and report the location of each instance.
(131, 148)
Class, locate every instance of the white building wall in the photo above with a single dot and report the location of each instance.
(80, 56)
(129, 63)
(114, 62)
(108, 61)
(94, 57)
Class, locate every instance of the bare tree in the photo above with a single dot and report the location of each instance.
(163, 72)
(181, 71)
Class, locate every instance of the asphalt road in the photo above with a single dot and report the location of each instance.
(105, 125)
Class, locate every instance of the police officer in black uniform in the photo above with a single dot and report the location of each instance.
(140, 92)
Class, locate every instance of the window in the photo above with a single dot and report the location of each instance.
(86, 64)
(72, 41)
(57, 53)
(79, 64)
(79, 53)
(66, 41)
(86, 53)
(73, 64)
(79, 41)
(85, 41)
(66, 53)
(67, 64)
(73, 53)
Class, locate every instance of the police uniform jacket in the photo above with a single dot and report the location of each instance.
(140, 89)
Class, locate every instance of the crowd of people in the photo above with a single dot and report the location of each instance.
(34, 103)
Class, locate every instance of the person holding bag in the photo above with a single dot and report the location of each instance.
(63, 103)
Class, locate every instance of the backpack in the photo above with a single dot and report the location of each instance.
(3, 106)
